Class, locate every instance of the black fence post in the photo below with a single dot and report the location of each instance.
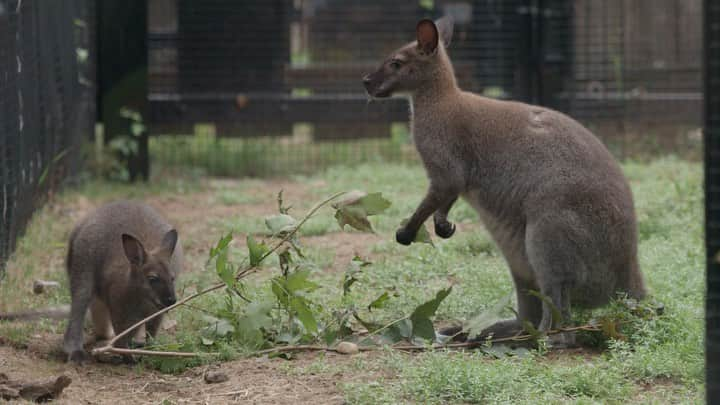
(712, 197)
(122, 73)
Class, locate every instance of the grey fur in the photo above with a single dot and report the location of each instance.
(550, 193)
(102, 278)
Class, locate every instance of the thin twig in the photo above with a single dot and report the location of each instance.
(299, 348)
(110, 345)
(231, 393)
(409, 347)
(141, 352)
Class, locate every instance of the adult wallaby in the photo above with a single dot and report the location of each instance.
(552, 196)
(122, 262)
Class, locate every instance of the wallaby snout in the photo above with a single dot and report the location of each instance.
(373, 83)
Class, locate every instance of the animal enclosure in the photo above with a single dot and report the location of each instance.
(282, 78)
(47, 106)
(230, 102)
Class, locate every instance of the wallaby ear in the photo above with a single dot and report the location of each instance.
(445, 26)
(134, 250)
(427, 36)
(167, 246)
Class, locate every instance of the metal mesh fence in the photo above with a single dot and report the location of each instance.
(265, 87)
(46, 103)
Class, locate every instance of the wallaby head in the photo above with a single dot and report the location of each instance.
(150, 272)
(419, 64)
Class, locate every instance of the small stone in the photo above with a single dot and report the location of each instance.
(214, 377)
(42, 286)
(347, 348)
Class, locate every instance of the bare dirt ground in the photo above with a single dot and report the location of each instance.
(252, 381)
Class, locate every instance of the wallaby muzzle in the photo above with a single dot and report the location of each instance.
(373, 83)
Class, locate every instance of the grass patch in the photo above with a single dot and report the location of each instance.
(661, 361)
(268, 156)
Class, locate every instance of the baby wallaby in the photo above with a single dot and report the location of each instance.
(549, 192)
(122, 262)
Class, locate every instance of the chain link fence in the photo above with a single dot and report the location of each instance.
(46, 103)
(273, 87)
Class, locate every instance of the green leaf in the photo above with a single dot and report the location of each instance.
(355, 268)
(531, 330)
(207, 341)
(304, 314)
(420, 318)
(280, 224)
(370, 326)
(347, 283)
(330, 336)
(380, 301)
(556, 314)
(429, 308)
(221, 245)
(278, 288)
(358, 262)
(355, 217)
(423, 328)
(256, 251)
(371, 204)
(299, 281)
(401, 330)
(354, 208)
(422, 235)
(223, 269)
(486, 318)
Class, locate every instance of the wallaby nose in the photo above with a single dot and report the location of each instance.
(170, 301)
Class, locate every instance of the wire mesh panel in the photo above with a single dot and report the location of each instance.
(638, 60)
(712, 196)
(284, 75)
(46, 104)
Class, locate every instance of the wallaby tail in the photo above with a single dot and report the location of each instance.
(61, 312)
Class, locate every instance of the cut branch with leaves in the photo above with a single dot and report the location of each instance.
(356, 208)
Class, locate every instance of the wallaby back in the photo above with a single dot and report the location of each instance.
(122, 262)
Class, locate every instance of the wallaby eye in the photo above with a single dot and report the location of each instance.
(153, 279)
(395, 64)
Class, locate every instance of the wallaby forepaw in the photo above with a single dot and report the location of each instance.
(444, 229)
(78, 357)
(404, 236)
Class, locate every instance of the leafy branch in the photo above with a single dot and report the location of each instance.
(110, 346)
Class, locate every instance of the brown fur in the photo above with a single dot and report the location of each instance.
(549, 192)
(122, 262)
